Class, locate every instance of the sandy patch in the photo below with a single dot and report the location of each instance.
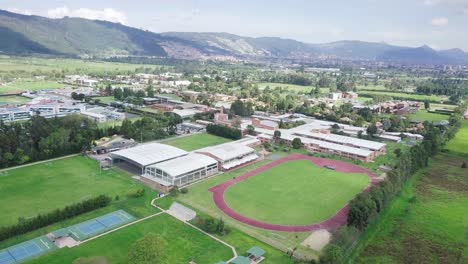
(317, 240)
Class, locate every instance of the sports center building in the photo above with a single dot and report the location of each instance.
(162, 166)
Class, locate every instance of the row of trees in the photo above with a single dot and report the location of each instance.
(150, 128)
(41, 138)
(365, 207)
(224, 131)
(42, 220)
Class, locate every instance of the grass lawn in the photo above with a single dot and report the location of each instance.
(105, 99)
(116, 122)
(291, 87)
(442, 106)
(13, 99)
(425, 223)
(418, 97)
(364, 99)
(459, 144)
(423, 115)
(196, 141)
(32, 85)
(41, 188)
(183, 244)
(294, 193)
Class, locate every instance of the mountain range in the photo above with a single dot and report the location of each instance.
(24, 34)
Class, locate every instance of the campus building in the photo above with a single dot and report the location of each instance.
(230, 155)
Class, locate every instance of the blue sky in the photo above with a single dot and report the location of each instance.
(441, 24)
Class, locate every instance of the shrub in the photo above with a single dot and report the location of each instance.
(464, 165)
(136, 193)
(184, 190)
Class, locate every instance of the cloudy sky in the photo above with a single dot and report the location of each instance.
(440, 24)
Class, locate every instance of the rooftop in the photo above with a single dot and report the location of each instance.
(185, 164)
(150, 153)
(227, 151)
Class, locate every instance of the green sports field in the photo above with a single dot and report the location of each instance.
(183, 244)
(13, 99)
(423, 115)
(459, 144)
(294, 193)
(31, 85)
(419, 97)
(43, 187)
(196, 141)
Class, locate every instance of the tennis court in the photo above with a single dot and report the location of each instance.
(98, 225)
(26, 250)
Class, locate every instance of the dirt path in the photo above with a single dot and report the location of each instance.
(332, 223)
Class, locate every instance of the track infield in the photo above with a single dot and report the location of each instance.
(335, 221)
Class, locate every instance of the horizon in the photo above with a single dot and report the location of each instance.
(435, 23)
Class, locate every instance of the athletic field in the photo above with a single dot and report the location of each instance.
(183, 245)
(48, 186)
(294, 194)
(196, 141)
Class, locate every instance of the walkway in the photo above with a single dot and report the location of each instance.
(332, 223)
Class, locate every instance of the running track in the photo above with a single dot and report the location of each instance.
(332, 223)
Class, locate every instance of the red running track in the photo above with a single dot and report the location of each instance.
(332, 223)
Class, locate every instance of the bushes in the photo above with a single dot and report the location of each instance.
(224, 131)
(136, 193)
(42, 220)
(212, 226)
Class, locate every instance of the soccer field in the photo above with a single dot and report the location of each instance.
(294, 193)
(183, 244)
(196, 141)
(423, 115)
(459, 144)
(48, 186)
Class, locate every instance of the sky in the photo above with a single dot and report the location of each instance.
(441, 24)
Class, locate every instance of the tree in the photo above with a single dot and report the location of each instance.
(371, 130)
(464, 165)
(236, 122)
(108, 90)
(140, 94)
(297, 143)
(251, 130)
(397, 152)
(427, 105)
(148, 250)
(150, 91)
(118, 94)
(277, 135)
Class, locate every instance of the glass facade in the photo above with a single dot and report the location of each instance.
(183, 179)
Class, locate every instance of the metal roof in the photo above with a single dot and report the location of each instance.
(344, 140)
(227, 151)
(150, 153)
(256, 252)
(185, 164)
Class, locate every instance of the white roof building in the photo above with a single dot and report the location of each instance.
(184, 164)
(147, 154)
(230, 155)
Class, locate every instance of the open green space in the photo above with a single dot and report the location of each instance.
(459, 144)
(441, 106)
(425, 223)
(105, 99)
(44, 187)
(419, 97)
(423, 115)
(13, 99)
(172, 96)
(184, 244)
(29, 85)
(294, 193)
(196, 141)
(291, 87)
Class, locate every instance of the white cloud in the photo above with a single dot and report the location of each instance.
(459, 6)
(440, 22)
(108, 14)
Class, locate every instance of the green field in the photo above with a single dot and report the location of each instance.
(13, 99)
(30, 85)
(294, 193)
(291, 87)
(459, 144)
(105, 99)
(43, 187)
(196, 141)
(172, 96)
(184, 244)
(418, 97)
(426, 223)
(423, 115)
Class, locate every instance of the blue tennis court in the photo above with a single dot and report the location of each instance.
(91, 227)
(6, 258)
(25, 250)
(110, 220)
